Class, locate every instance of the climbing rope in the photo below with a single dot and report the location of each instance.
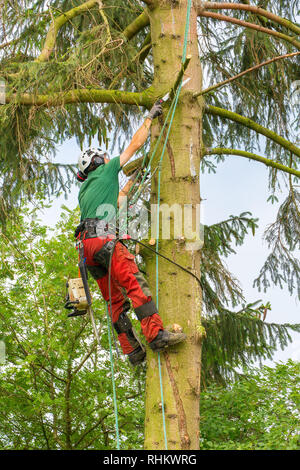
(113, 380)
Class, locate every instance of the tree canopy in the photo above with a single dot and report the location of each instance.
(86, 70)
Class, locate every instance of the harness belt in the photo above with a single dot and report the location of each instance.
(94, 228)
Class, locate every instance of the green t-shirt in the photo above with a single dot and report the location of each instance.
(98, 195)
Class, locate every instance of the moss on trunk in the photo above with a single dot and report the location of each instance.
(179, 294)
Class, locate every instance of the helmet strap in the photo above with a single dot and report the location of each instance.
(81, 177)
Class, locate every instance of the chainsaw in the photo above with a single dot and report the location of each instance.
(78, 296)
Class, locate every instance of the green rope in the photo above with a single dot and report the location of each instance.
(113, 379)
(137, 194)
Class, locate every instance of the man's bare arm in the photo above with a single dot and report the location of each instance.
(141, 135)
(137, 142)
(127, 187)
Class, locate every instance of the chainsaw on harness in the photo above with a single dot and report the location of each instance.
(78, 296)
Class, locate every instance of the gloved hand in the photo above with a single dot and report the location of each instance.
(155, 111)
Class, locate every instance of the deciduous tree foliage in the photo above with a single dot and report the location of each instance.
(86, 69)
(241, 417)
(55, 386)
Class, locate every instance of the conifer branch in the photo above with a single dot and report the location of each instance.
(139, 23)
(253, 156)
(129, 32)
(10, 43)
(58, 22)
(254, 26)
(251, 69)
(140, 56)
(253, 9)
(224, 113)
(144, 98)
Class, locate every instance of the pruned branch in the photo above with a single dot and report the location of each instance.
(134, 165)
(246, 24)
(253, 156)
(224, 113)
(251, 69)
(180, 75)
(253, 9)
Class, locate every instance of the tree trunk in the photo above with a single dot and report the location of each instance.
(179, 295)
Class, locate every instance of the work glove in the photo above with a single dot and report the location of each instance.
(155, 111)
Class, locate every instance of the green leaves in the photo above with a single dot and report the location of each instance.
(258, 412)
(55, 387)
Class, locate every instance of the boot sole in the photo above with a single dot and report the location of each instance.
(172, 342)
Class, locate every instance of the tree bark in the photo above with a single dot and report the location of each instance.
(181, 364)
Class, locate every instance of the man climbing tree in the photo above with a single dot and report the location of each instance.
(97, 67)
(98, 198)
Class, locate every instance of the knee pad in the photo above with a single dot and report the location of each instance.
(124, 325)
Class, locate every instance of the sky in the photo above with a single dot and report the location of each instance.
(239, 185)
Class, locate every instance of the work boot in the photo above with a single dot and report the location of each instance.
(137, 356)
(165, 338)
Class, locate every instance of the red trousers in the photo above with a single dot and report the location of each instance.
(126, 282)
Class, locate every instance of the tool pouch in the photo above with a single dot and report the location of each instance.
(102, 258)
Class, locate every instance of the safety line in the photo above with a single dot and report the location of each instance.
(113, 380)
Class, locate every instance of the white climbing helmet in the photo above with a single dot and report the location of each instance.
(86, 156)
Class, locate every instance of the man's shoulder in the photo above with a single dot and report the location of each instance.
(114, 164)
